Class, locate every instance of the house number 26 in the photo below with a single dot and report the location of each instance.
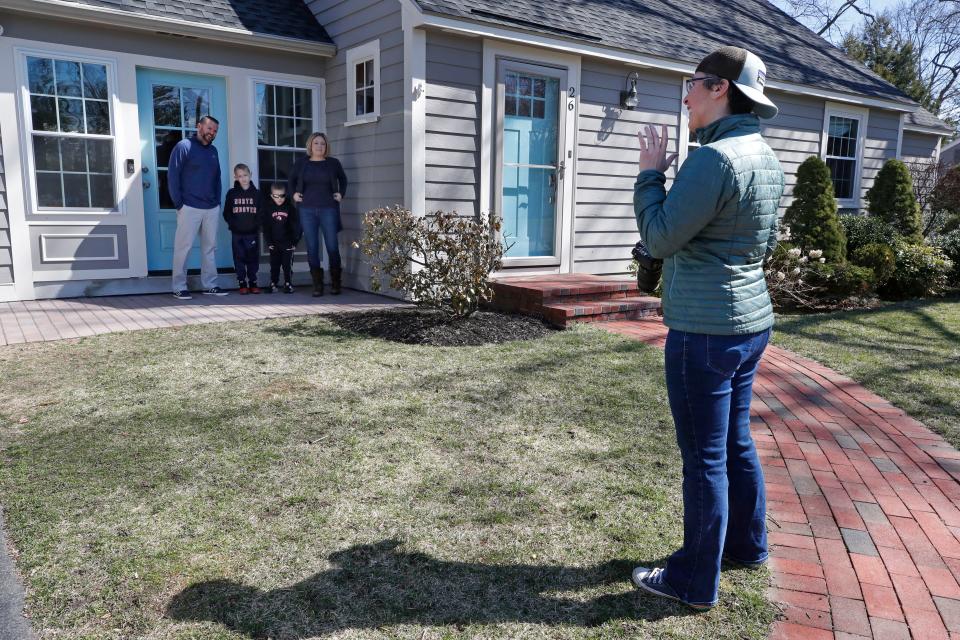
(572, 93)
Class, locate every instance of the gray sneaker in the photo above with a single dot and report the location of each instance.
(215, 291)
(182, 295)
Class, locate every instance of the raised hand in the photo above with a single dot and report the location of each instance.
(653, 149)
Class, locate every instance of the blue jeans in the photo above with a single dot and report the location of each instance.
(325, 221)
(710, 384)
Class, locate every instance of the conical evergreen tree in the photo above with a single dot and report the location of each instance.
(812, 217)
(891, 198)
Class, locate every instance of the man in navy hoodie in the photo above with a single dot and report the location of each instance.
(194, 184)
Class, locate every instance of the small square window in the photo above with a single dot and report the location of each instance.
(363, 75)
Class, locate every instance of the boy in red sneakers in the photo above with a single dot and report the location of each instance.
(240, 212)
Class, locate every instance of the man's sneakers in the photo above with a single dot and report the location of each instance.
(652, 581)
(214, 291)
(182, 295)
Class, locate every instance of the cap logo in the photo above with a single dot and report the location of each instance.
(761, 77)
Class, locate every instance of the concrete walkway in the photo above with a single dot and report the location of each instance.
(42, 320)
(863, 505)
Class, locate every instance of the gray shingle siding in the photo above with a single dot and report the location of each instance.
(794, 135)
(454, 77)
(880, 146)
(372, 154)
(604, 225)
(918, 147)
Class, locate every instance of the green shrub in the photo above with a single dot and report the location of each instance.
(949, 244)
(441, 261)
(921, 271)
(878, 257)
(892, 199)
(843, 280)
(864, 230)
(812, 216)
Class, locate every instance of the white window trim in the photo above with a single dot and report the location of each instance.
(317, 85)
(683, 132)
(862, 116)
(492, 50)
(355, 56)
(26, 126)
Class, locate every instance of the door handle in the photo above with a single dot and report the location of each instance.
(561, 168)
(146, 185)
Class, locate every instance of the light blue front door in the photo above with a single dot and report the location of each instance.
(530, 170)
(170, 105)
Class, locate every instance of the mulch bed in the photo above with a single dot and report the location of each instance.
(419, 326)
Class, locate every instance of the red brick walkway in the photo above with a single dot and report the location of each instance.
(863, 516)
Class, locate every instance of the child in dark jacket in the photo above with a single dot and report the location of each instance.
(241, 213)
(281, 232)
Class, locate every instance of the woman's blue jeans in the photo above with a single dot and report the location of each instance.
(710, 384)
(325, 221)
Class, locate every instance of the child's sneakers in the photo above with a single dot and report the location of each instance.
(253, 287)
(288, 288)
(273, 288)
(243, 288)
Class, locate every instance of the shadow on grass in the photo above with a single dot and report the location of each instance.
(371, 586)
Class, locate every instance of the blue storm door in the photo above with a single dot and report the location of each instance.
(170, 105)
(531, 162)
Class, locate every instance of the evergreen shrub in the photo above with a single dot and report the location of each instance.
(892, 199)
(812, 216)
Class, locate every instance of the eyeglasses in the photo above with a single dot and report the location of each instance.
(278, 195)
(691, 81)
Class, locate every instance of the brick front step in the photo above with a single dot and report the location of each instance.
(562, 314)
(563, 299)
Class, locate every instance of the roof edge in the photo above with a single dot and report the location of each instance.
(450, 23)
(156, 24)
(937, 131)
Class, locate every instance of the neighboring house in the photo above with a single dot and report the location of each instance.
(950, 154)
(466, 105)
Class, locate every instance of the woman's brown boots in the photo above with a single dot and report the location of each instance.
(317, 276)
(336, 276)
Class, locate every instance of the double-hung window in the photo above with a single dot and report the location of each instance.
(284, 122)
(842, 150)
(71, 134)
(363, 83)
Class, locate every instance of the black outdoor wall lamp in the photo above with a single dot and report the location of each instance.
(629, 99)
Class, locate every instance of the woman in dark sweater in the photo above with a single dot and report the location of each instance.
(319, 184)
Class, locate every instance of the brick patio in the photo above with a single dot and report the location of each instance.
(862, 505)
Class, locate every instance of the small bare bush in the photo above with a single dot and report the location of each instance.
(441, 261)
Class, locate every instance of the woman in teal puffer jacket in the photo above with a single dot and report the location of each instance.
(713, 230)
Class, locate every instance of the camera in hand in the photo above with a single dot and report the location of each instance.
(649, 268)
